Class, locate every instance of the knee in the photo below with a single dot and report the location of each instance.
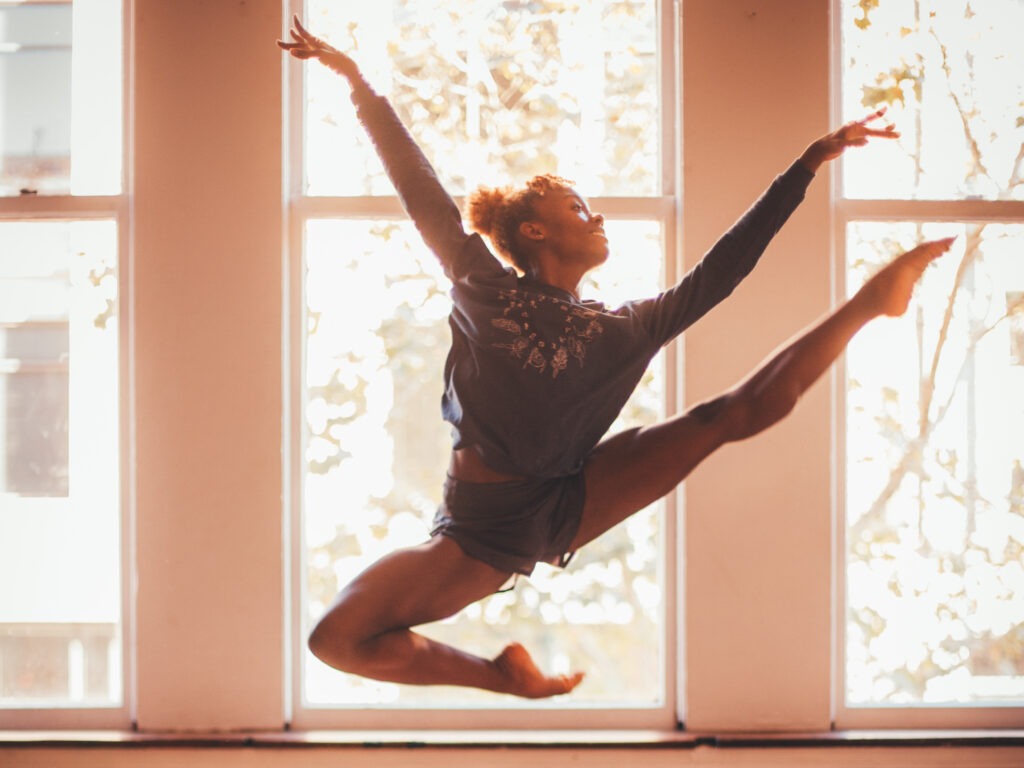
(333, 641)
(711, 412)
(747, 410)
(318, 640)
(760, 405)
(729, 414)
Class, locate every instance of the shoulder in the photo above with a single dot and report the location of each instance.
(475, 265)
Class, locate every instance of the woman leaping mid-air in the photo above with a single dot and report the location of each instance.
(534, 378)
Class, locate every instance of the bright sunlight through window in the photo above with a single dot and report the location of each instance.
(494, 93)
(935, 400)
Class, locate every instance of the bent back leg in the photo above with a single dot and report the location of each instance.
(366, 629)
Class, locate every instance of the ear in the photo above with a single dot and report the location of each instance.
(532, 230)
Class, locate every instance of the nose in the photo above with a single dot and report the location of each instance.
(598, 218)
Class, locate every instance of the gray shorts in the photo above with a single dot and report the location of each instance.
(513, 525)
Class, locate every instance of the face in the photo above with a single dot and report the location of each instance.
(571, 228)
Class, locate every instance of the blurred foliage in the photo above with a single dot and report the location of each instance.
(469, 81)
(604, 614)
(923, 613)
(934, 570)
(498, 91)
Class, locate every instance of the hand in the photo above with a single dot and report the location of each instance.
(852, 134)
(309, 46)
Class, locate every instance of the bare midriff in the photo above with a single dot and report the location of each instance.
(467, 465)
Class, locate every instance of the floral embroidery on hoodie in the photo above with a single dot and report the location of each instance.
(549, 344)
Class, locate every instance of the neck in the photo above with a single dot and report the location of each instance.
(558, 274)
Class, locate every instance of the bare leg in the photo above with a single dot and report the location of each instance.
(368, 632)
(367, 629)
(630, 470)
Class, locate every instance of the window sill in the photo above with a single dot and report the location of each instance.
(639, 739)
(875, 738)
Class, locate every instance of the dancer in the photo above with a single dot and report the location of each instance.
(534, 378)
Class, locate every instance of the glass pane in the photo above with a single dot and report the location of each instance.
(951, 73)
(377, 452)
(497, 91)
(60, 97)
(935, 488)
(59, 478)
(36, 433)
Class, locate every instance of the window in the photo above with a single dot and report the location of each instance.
(60, 408)
(471, 83)
(934, 401)
(203, 464)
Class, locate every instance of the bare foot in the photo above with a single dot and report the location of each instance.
(526, 680)
(888, 292)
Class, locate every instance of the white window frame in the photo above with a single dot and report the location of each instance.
(116, 208)
(662, 207)
(847, 211)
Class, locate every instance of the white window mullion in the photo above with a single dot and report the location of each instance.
(60, 207)
(930, 210)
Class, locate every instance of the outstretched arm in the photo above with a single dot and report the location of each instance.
(737, 251)
(428, 204)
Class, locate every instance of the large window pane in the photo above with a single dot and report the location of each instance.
(951, 73)
(376, 451)
(468, 78)
(934, 478)
(59, 478)
(60, 97)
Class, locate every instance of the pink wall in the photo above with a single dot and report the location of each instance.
(758, 513)
(207, 363)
